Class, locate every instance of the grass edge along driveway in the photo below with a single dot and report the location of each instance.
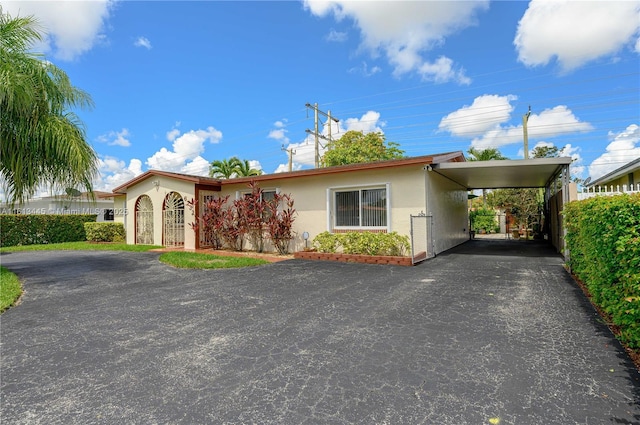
(11, 287)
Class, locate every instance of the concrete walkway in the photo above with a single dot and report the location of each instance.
(490, 332)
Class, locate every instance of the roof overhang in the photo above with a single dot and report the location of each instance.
(503, 174)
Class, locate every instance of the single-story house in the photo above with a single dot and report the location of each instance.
(625, 178)
(96, 203)
(153, 205)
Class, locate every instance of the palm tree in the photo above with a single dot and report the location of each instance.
(245, 170)
(224, 169)
(41, 140)
(484, 155)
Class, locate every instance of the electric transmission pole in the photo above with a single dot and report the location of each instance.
(316, 131)
(291, 152)
(525, 120)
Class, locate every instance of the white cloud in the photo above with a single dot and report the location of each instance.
(367, 123)
(337, 36)
(485, 113)
(172, 134)
(403, 31)
(186, 151)
(116, 138)
(73, 27)
(623, 148)
(279, 133)
(113, 172)
(365, 70)
(143, 42)
(577, 168)
(556, 121)
(575, 32)
(196, 167)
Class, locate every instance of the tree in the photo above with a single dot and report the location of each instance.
(356, 147)
(232, 167)
(223, 169)
(244, 169)
(545, 152)
(42, 141)
(484, 155)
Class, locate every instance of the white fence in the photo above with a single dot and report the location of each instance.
(590, 192)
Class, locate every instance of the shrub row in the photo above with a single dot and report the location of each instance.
(105, 232)
(603, 237)
(366, 243)
(31, 229)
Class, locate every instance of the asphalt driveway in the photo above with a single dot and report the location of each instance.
(491, 332)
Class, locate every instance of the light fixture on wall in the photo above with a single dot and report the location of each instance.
(156, 183)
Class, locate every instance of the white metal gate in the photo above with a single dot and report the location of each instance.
(144, 221)
(173, 220)
(421, 238)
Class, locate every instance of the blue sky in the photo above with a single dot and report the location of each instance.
(177, 85)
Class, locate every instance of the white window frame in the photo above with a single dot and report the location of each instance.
(331, 206)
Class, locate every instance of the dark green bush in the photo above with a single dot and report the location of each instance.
(105, 232)
(603, 238)
(32, 229)
(366, 243)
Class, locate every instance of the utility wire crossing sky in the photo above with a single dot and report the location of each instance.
(177, 85)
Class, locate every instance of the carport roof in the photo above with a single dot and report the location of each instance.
(503, 174)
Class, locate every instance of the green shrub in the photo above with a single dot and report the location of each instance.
(326, 242)
(365, 243)
(105, 232)
(483, 219)
(603, 238)
(33, 229)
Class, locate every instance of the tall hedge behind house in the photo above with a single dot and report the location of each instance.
(604, 242)
(32, 229)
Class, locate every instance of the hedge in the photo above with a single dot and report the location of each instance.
(366, 243)
(32, 229)
(105, 232)
(603, 238)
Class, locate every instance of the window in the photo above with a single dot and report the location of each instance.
(108, 214)
(361, 208)
(267, 195)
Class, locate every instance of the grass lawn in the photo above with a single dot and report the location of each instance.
(81, 246)
(10, 288)
(194, 260)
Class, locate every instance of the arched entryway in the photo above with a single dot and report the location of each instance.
(173, 220)
(144, 221)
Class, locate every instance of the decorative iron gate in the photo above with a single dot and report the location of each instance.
(173, 220)
(144, 221)
(421, 238)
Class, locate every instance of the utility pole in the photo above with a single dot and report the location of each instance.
(291, 152)
(316, 131)
(525, 120)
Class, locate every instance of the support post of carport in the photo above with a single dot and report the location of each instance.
(566, 197)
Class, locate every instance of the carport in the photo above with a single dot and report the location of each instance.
(552, 174)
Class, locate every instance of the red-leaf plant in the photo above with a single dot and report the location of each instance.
(253, 213)
(280, 222)
(211, 222)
